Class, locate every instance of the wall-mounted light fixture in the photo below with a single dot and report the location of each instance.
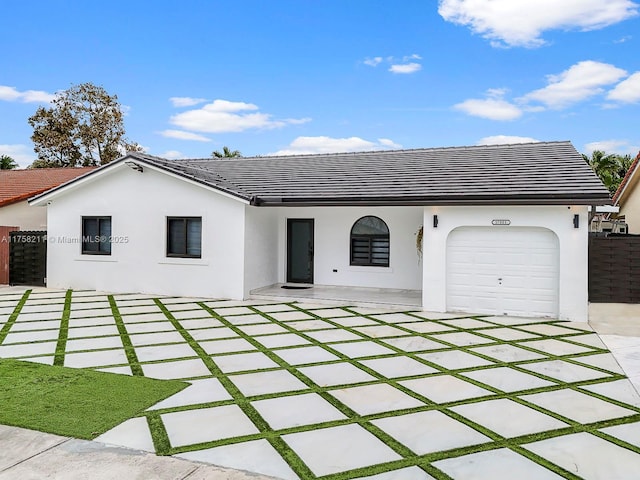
(576, 221)
(134, 166)
(435, 221)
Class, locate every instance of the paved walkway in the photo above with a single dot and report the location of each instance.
(297, 390)
(29, 455)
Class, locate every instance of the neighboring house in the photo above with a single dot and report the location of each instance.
(17, 186)
(505, 227)
(627, 197)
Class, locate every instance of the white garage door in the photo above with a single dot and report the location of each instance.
(503, 271)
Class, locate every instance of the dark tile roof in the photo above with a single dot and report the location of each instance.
(520, 174)
(18, 185)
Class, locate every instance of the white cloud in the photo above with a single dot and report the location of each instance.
(373, 62)
(624, 39)
(389, 143)
(505, 140)
(405, 68)
(494, 107)
(521, 23)
(627, 91)
(172, 154)
(297, 121)
(225, 116)
(182, 135)
(22, 154)
(186, 101)
(323, 144)
(622, 147)
(581, 81)
(122, 150)
(11, 94)
(405, 65)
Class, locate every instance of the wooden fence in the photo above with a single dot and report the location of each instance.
(5, 241)
(614, 269)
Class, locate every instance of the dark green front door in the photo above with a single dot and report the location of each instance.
(300, 250)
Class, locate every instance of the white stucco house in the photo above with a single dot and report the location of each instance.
(504, 227)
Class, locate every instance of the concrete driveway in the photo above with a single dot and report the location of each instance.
(298, 390)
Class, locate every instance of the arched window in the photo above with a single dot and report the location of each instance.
(370, 242)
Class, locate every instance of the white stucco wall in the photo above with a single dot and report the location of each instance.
(21, 215)
(139, 204)
(573, 244)
(332, 228)
(630, 207)
(260, 247)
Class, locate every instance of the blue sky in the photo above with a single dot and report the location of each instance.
(302, 76)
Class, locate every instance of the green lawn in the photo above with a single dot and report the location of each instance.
(73, 402)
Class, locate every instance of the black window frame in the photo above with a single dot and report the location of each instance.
(366, 243)
(186, 237)
(87, 239)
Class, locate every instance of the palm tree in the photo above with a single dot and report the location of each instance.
(7, 163)
(611, 168)
(226, 153)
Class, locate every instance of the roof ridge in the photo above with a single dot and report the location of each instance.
(374, 152)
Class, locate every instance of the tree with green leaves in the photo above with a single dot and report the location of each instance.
(83, 126)
(7, 163)
(610, 168)
(226, 153)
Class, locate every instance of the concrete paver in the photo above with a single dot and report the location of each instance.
(348, 447)
(577, 406)
(133, 433)
(495, 464)
(369, 399)
(207, 390)
(294, 411)
(523, 420)
(255, 456)
(427, 432)
(588, 456)
(212, 423)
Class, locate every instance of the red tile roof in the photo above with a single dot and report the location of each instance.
(625, 180)
(18, 185)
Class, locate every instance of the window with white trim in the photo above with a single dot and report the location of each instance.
(96, 235)
(370, 242)
(184, 237)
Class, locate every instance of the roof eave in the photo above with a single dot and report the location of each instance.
(43, 198)
(160, 166)
(428, 201)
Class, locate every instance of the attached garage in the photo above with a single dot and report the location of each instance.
(503, 271)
